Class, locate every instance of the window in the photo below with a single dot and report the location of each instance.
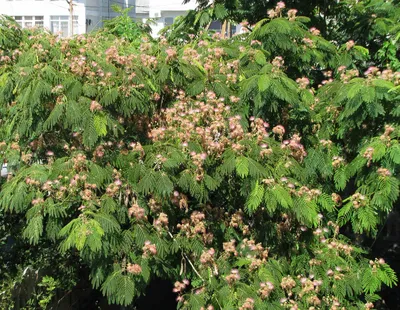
(29, 21)
(168, 21)
(61, 24)
(216, 26)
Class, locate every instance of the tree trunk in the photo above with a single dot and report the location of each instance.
(223, 30)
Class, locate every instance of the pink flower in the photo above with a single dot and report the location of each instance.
(372, 71)
(308, 42)
(292, 14)
(171, 53)
(271, 14)
(280, 5)
(137, 212)
(255, 42)
(156, 97)
(278, 62)
(95, 106)
(315, 31)
(303, 82)
(149, 249)
(349, 44)
(134, 269)
(279, 130)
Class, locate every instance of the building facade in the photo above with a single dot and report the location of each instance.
(89, 14)
(51, 14)
(165, 12)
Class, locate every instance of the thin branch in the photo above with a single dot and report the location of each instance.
(69, 292)
(195, 270)
(187, 258)
(218, 302)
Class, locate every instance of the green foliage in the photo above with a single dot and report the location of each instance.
(10, 34)
(50, 285)
(125, 27)
(231, 164)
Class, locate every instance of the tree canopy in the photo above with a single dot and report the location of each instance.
(242, 169)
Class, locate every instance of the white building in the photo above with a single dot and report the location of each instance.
(165, 11)
(89, 14)
(53, 15)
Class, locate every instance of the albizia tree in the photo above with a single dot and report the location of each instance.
(226, 166)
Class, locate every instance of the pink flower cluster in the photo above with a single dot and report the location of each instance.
(95, 106)
(196, 226)
(265, 289)
(134, 269)
(314, 31)
(207, 257)
(248, 304)
(233, 276)
(358, 200)
(277, 11)
(137, 212)
(179, 287)
(149, 249)
(277, 63)
(297, 150)
(303, 82)
(161, 222)
(288, 283)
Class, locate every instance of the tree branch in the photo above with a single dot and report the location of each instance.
(187, 258)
